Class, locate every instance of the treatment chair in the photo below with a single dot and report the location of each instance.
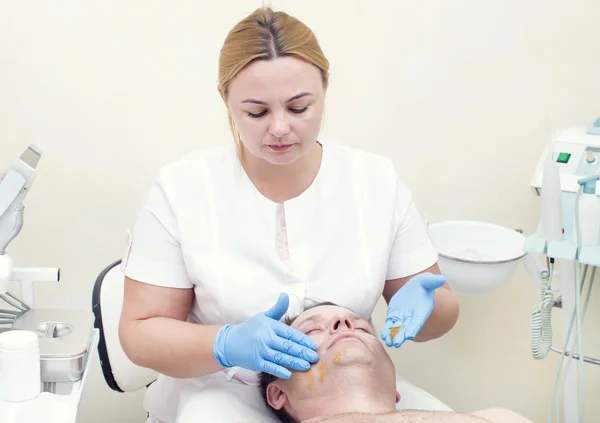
(122, 375)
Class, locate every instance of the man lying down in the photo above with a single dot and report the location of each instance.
(354, 379)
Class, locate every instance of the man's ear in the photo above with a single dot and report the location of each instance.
(397, 397)
(275, 396)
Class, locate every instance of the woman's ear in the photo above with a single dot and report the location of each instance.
(222, 94)
(397, 397)
(275, 396)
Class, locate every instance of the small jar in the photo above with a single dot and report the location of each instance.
(20, 368)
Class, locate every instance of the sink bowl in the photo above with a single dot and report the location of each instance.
(476, 256)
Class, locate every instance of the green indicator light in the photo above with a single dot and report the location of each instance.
(563, 157)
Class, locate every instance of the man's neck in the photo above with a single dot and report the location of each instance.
(349, 396)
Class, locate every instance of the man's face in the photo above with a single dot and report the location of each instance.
(342, 337)
(349, 354)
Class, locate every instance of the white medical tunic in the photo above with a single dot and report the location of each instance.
(205, 226)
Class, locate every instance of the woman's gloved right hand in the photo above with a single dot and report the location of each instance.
(264, 344)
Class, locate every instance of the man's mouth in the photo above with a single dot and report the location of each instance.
(344, 337)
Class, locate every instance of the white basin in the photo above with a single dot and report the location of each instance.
(475, 256)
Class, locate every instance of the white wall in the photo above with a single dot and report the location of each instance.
(456, 93)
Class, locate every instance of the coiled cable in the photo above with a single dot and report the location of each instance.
(541, 320)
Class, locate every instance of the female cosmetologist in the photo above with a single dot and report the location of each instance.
(232, 238)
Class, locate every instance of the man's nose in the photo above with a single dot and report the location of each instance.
(341, 324)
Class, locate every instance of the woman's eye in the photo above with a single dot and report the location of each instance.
(313, 330)
(364, 330)
(298, 111)
(257, 115)
(264, 112)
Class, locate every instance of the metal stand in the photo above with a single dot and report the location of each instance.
(568, 257)
(57, 398)
(28, 275)
(577, 356)
(568, 289)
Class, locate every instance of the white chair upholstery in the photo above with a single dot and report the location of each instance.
(120, 373)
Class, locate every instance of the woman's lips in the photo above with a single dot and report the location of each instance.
(280, 147)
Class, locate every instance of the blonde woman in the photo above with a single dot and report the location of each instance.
(232, 238)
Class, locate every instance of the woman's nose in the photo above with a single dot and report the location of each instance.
(279, 126)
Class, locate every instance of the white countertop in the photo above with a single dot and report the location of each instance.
(48, 407)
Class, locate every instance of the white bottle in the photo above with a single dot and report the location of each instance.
(551, 198)
(20, 370)
(589, 215)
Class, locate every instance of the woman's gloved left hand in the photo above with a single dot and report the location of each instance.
(410, 308)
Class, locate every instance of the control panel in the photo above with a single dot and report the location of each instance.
(577, 154)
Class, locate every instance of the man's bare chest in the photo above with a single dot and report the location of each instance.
(404, 416)
(393, 417)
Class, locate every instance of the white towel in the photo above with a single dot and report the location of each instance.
(46, 408)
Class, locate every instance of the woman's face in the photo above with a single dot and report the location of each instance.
(277, 107)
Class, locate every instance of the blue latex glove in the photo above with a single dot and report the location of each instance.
(410, 308)
(264, 344)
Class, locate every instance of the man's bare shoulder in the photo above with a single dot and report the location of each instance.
(402, 416)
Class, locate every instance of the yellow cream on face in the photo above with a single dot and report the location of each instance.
(322, 369)
(310, 377)
(337, 358)
(322, 372)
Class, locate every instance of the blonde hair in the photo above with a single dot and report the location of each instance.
(267, 35)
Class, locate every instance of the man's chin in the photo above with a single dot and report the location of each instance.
(349, 352)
